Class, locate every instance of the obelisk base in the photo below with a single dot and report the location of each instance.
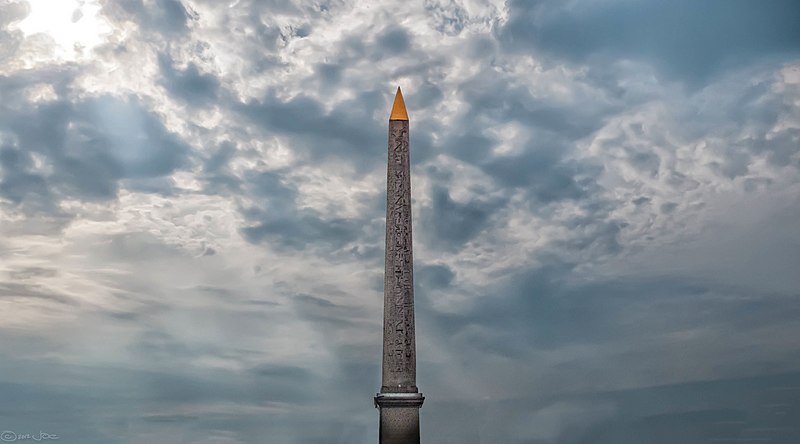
(399, 417)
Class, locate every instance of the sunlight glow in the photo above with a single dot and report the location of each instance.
(75, 25)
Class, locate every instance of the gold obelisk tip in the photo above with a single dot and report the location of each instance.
(399, 107)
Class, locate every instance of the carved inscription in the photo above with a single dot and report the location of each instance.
(400, 331)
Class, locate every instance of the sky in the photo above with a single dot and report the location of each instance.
(605, 202)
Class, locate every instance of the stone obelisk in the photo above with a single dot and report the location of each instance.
(399, 399)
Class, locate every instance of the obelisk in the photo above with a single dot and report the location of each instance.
(399, 399)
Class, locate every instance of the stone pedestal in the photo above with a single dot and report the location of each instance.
(399, 423)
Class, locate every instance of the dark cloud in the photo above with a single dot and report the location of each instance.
(759, 408)
(324, 314)
(217, 175)
(329, 73)
(426, 96)
(296, 375)
(342, 134)
(348, 131)
(541, 172)
(545, 308)
(433, 277)
(90, 145)
(302, 228)
(684, 39)
(454, 224)
(19, 185)
(540, 162)
(394, 41)
(218, 404)
(167, 17)
(781, 149)
(279, 221)
(190, 84)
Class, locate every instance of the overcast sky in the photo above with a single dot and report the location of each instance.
(606, 196)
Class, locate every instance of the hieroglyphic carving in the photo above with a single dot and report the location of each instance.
(399, 332)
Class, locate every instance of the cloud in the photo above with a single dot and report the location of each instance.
(453, 223)
(434, 277)
(684, 41)
(394, 41)
(339, 133)
(604, 218)
(80, 149)
(170, 17)
(190, 84)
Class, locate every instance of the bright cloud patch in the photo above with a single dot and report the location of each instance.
(75, 27)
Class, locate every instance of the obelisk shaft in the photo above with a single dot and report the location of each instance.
(399, 399)
(399, 354)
